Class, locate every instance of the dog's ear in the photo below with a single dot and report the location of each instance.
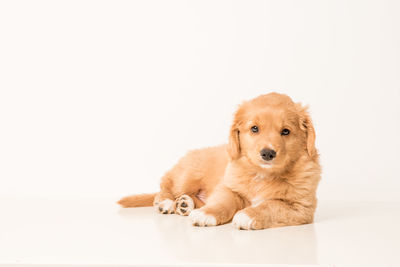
(234, 149)
(234, 143)
(307, 126)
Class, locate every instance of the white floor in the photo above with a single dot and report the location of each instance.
(98, 232)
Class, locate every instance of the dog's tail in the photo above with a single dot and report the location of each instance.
(142, 200)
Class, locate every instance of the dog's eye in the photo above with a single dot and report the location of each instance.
(285, 132)
(254, 129)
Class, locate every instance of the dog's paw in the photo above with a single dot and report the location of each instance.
(184, 205)
(165, 206)
(199, 218)
(243, 221)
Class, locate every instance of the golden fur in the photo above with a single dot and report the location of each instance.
(230, 179)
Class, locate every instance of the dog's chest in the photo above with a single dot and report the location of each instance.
(262, 188)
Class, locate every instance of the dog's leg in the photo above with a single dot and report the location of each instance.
(273, 213)
(164, 200)
(220, 208)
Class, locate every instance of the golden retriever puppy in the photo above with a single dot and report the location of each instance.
(266, 176)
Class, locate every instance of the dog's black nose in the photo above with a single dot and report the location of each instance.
(268, 154)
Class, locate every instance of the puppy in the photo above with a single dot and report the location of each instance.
(266, 176)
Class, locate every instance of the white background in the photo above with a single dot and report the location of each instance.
(100, 98)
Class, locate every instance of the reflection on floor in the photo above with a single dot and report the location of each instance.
(93, 231)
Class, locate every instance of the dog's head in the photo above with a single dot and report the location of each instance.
(271, 131)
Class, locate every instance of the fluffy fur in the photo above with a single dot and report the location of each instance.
(234, 179)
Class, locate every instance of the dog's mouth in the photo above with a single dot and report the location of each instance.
(266, 165)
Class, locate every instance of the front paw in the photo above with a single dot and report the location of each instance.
(200, 218)
(243, 221)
